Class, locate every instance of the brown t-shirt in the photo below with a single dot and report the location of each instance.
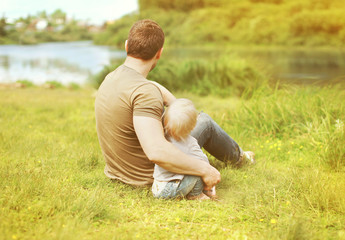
(123, 94)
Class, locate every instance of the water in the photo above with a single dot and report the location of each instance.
(76, 61)
(301, 65)
(304, 66)
(68, 62)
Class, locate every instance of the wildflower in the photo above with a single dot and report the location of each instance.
(288, 152)
(275, 144)
(339, 125)
(261, 220)
(278, 149)
(261, 146)
(273, 221)
(245, 176)
(300, 147)
(292, 143)
(267, 141)
(288, 203)
(177, 219)
(14, 237)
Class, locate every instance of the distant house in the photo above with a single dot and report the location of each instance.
(41, 24)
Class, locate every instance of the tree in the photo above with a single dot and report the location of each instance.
(2, 27)
(58, 15)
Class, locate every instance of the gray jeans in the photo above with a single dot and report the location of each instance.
(189, 185)
(214, 140)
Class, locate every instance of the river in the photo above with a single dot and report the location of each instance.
(64, 62)
(76, 62)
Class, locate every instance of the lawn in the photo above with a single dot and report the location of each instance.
(53, 187)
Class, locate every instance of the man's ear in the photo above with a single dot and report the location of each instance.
(159, 53)
(126, 45)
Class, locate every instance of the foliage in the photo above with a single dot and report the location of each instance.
(225, 76)
(25, 31)
(2, 27)
(54, 84)
(73, 86)
(53, 186)
(262, 22)
(25, 83)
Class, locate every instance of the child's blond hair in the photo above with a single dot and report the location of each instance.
(179, 119)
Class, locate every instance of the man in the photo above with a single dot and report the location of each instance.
(128, 119)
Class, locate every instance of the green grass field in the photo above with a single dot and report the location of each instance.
(53, 187)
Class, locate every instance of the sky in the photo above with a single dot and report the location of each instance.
(95, 11)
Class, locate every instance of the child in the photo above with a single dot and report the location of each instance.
(179, 120)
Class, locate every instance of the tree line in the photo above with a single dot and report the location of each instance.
(238, 22)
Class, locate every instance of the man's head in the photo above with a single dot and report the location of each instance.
(180, 119)
(145, 39)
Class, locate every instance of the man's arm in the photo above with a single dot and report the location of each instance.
(166, 155)
(168, 97)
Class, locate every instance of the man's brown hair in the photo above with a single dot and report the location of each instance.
(145, 38)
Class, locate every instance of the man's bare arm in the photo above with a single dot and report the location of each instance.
(166, 155)
(168, 97)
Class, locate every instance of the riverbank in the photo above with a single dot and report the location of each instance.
(82, 62)
(53, 186)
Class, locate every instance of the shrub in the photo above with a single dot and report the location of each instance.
(224, 77)
(26, 83)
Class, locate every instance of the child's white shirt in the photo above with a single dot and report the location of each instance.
(162, 176)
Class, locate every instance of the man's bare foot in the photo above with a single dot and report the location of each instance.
(248, 158)
(201, 196)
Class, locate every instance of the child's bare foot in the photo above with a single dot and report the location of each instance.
(201, 196)
(211, 193)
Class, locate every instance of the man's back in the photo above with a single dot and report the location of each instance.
(123, 94)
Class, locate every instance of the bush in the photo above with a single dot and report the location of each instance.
(223, 77)
(26, 83)
(53, 84)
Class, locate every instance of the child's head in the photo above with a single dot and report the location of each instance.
(180, 119)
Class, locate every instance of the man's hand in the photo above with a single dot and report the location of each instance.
(211, 178)
(158, 150)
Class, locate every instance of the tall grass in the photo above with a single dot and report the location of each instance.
(226, 76)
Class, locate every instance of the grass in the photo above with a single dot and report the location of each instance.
(53, 187)
(224, 76)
